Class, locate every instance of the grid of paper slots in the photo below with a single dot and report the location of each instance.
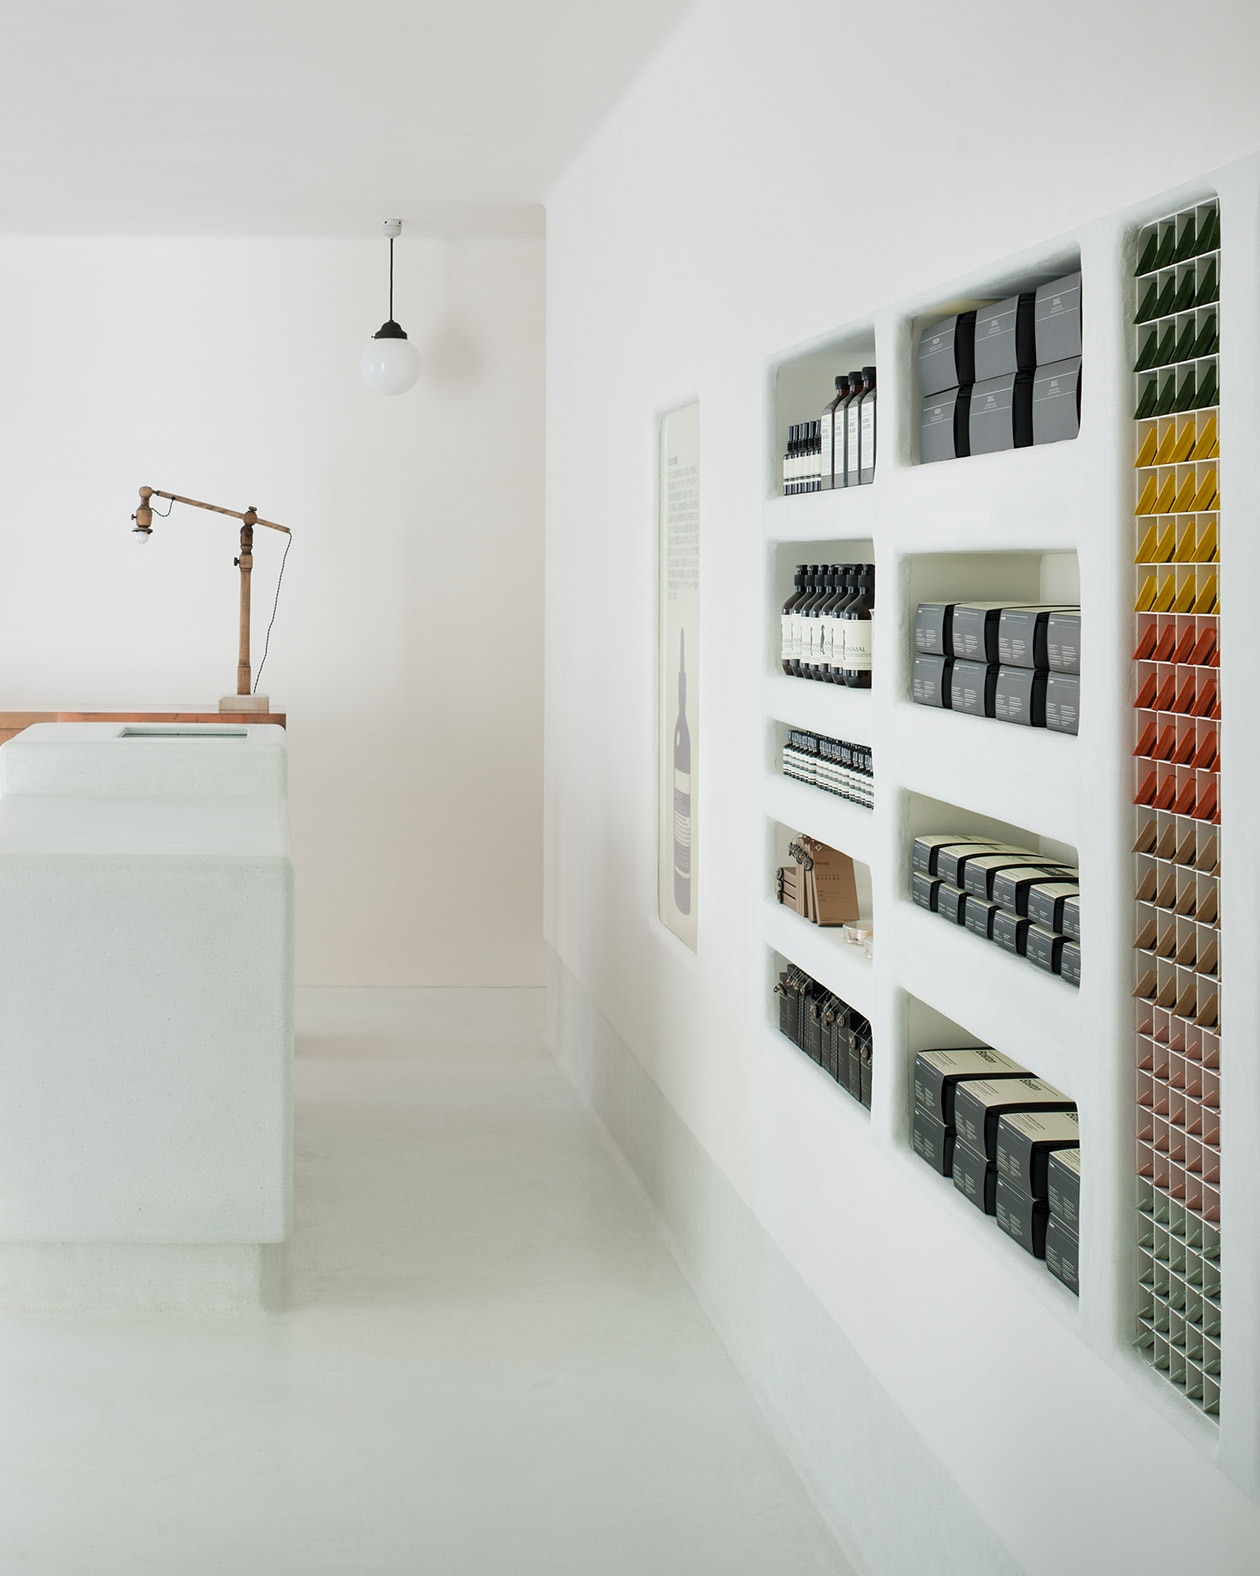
(1176, 792)
(828, 1030)
(834, 765)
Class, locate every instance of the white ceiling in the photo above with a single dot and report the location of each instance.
(303, 116)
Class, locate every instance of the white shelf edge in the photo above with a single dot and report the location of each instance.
(831, 709)
(850, 1110)
(844, 826)
(845, 514)
(842, 968)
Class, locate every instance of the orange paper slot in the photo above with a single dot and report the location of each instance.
(1165, 695)
(1146, 740)
(1182, 755)
(1205, 757)
(1164, 796)
(1146, 693)
(1206, 807)
(1183, 804)
(1164, 647)
(1204, 653)
(1146, 642)
(1146, 790)
(1205, 705)
(1181, 652)
(1184, 702)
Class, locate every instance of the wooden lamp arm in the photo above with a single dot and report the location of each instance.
(248, 516)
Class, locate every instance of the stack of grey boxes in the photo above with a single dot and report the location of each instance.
(1015, 661)
(1003, 376)
(1011, 1144)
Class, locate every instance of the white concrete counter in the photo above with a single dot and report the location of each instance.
(146, 1025)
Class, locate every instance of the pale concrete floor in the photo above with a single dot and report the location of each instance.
(488, 1364)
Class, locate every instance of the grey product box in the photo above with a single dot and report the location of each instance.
(950, 901)
(952, 860)
(978, 915)
(1025, 1142)
(1010, 931)
(1022, 1218)
(975, 1177)
(947, 354)
(1043, 949)
(979, 1103)
(1063, 702)
(934, 1142)
(944, 427)
(1070, 962)
(1001, 414)
(932, 681)
(1023, 634)
(974, 629)
(1046, 900)
(937, 1075)
(926, 851)
(1006, 337)
(980, 870)
(1012, 886)
(1056, 401)
(1063, 1254)
(1063, 1185)
(1072, 919)
(1020, 696)
(972, 688)
(1063, 642)
(933, 628)
(924, 889)
(1057, 320)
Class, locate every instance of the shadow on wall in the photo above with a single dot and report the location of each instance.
(453, 356)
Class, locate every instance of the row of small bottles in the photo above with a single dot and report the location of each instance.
(839, 449)
(826, 624)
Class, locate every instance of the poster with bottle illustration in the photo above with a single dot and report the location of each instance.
(679, 719)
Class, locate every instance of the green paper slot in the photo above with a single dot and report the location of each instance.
(1209, 290)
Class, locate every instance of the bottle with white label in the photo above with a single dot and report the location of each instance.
(682, 790)
(801, 631)
(852, 430)
(785, 618)
(827, 457)
(820, 625)
(866, 428)
(835, 660)
(857, 631)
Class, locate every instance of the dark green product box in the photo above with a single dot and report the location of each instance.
(950, 903)
(1070, 962)
(973, 688)
(927, 847)
(937, 1075)
(980, 1103)
(1063, 642)
(978, 915)
(981, 870)
(947, 354)
(1063, 702)
(1010, 932)
(1056, 401)
(933, 628)
(1025, 1142)
(924, 890)
(975, 1177)
(1043, 949)
(1063, 1184)
(1072, 919)
(932, 683)
(1046, 900)
(1022, 1218)
(1006, 337)
(933, 1142)
(1012, 886)
(944, 428)
(1063, 1254)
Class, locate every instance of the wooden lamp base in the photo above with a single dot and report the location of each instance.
(237, 703)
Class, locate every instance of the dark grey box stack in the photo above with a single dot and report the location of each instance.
(1028, 903)
(1016, 662)
(1003, 377)
(828, 1030)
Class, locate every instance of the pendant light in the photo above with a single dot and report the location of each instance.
(391, 363)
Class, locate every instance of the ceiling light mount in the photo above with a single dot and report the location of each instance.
(390, 364)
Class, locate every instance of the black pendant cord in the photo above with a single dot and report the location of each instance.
(274, 606)
(391, 278)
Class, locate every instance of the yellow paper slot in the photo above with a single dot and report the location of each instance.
(1166, 545)
(1146, 503)
(1185, 496)
(1184, 599)
(1206, 448)
(1205, 553)
(1163, 455)
(1146, 595)
(1146, 547)
(1146, 454)
(1167, 493)
(1205, 498)
(1184, 553)
(1205, 602)
(1184, 445)
(1164, 597)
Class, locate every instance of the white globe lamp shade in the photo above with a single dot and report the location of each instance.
(391, 363)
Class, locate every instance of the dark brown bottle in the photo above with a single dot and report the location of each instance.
(866, 428)
(808, 592)
(831, 419)
(852, 430)
(787, 618)
(811, 630)
(835, 649)
(820, 624)
(857, 631)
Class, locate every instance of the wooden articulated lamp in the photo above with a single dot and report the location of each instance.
(243, 700)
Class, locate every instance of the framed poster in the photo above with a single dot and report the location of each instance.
(679, 658)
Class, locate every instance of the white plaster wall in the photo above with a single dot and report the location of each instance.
(718, 217)
(408, 648)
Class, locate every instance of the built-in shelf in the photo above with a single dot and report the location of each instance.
(821, 952)
(845, 826)
(833, 709)
(839, 514)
